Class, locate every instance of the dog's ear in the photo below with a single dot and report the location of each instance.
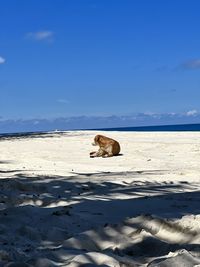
(96, 139)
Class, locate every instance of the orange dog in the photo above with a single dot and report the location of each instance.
(107, 147)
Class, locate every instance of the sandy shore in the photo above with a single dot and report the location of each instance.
(58, 207)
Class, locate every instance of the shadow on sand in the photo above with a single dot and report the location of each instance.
(67, 206)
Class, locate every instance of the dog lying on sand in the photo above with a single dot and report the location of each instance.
(107, 147)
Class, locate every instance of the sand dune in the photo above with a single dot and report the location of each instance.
(58, 207)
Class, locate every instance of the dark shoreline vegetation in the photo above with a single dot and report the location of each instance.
(9, 136)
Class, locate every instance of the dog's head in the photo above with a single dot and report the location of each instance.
(96, 140)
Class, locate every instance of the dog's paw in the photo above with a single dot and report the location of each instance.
(107, 155)
(92, 154)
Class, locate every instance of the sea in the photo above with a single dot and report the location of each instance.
(158, 128)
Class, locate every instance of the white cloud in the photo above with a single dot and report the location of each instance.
(95, 122)
(191, 64)
(2, 60)
(41, 35)
(36, 122)
(63, 101)
(193, 112)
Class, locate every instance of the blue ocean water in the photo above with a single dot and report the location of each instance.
(158, 128)
(162, 128)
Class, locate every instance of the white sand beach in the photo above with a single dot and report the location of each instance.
(59, 207)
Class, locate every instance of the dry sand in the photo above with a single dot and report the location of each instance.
(58, 207)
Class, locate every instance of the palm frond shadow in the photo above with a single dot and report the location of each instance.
(68, 206)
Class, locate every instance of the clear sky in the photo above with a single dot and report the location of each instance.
(62, 58)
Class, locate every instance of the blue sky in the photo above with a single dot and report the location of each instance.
(66, 58)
